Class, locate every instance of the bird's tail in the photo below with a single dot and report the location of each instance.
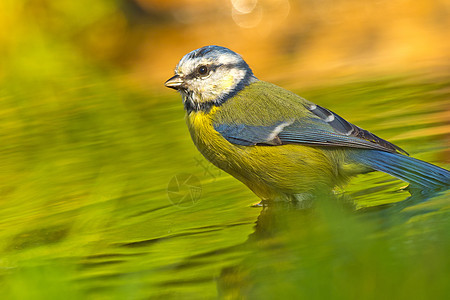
(414, 171)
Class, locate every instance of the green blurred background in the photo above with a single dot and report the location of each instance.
(92, 143)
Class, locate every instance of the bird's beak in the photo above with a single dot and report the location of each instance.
(174, 82)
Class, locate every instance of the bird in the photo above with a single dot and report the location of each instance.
(280, 145)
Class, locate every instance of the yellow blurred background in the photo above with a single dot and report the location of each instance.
(310, 39)
(293, 41)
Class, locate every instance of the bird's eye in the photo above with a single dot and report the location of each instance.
(202, 70)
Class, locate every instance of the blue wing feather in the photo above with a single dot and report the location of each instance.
(314, 133)
(246, 135)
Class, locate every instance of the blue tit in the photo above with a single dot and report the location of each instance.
(280, 145)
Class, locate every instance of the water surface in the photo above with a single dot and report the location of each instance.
(90, 206)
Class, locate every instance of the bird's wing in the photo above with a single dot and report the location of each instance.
(329, 129)
(305, 123)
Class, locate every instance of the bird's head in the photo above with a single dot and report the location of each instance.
(209, 76)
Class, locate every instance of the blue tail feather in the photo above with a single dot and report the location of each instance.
(412, 170)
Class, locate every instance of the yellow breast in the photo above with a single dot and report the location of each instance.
(208, 141)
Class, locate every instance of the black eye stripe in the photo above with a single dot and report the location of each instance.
(213, 68)
(196, 73)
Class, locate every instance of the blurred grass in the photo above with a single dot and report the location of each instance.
(87, 154)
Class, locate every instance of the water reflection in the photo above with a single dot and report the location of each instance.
(298, 252)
